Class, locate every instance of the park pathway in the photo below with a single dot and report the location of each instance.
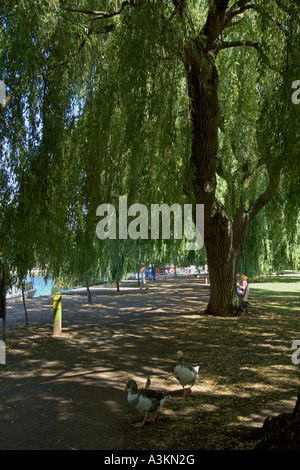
(67, 392)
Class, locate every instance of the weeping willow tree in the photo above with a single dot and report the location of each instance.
(161, 101)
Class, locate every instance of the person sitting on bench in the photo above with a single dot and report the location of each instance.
(242, 284)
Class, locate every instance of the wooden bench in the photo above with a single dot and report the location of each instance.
(244, 297)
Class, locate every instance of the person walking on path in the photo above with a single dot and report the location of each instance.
(206, 273)
(143, 276)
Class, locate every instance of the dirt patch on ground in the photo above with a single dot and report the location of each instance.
(67, 392)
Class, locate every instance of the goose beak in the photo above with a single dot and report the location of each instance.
(125, 388)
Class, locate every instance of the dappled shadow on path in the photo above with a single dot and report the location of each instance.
(67, 392)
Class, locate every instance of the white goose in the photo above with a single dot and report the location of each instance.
(145, 400)
(186, 374)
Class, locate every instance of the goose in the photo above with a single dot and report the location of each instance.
(186, 374)
(144, 400)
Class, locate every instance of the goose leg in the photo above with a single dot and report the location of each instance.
(151, 417)
(140, 425)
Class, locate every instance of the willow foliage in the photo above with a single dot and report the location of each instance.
(99, 108)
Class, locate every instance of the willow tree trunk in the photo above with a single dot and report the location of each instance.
(24, 303)
(89, 295)
(223, 240)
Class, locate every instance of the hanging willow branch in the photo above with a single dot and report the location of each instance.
(104, 14)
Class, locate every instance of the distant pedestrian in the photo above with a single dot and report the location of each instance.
(143, 276)
(206, 273)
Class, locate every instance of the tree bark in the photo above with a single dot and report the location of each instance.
(88, 290)
(219, 237)
(280, 432)
(223, 239)
(24, 303)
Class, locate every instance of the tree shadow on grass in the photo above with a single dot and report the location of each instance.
(283, 279)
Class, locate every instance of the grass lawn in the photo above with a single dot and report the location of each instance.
(247, 369)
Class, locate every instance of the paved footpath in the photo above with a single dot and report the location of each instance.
(67, 392)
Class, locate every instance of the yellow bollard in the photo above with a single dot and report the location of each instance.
(57, 315)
